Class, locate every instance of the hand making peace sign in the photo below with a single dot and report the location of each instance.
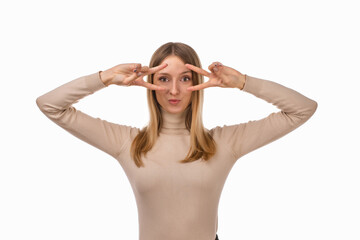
(128, 74)
(220, 76)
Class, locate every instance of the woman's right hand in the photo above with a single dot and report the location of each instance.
(128, 74)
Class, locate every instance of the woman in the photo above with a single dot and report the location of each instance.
(176, 167)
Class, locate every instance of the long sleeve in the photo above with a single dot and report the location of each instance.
(57, 106)
(295, 108)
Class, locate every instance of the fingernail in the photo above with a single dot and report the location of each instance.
(215, 69)
(139, 74)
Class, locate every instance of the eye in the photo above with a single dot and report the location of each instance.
(160, 79)
(186, 77)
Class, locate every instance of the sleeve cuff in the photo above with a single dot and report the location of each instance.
(94, 82)
(252, 84)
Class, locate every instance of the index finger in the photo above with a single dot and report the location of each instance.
(198, 70)
(157, 68)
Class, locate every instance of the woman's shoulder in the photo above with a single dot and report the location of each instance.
(123, 130)
(132, 130)
(224, 130)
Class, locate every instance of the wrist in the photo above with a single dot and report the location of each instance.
(105, 77)
(242, 81)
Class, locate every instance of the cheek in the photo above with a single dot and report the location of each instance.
(159, 96)
(188, 96)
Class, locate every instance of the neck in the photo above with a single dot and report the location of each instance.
(174, 122)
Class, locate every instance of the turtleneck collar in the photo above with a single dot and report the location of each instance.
(174, 123)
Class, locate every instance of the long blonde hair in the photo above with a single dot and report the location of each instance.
(202, 145)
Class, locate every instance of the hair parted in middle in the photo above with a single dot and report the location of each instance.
(202, 145)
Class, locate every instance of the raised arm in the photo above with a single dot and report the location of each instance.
(106, 136)
(57, 106)
(295, 109)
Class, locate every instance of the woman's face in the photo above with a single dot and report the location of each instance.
(176, 78)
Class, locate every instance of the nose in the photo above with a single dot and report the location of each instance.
(174, 89)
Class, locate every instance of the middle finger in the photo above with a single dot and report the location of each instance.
(153, 86)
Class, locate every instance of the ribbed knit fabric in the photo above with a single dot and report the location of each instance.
(177, 201)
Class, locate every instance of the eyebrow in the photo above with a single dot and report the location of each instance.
(169, 74)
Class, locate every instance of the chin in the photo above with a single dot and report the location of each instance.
(174, 109)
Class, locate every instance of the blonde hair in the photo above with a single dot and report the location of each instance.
(202, 145)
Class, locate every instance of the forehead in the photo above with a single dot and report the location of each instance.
(175, 66)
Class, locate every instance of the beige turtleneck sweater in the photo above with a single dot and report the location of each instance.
(175, 200)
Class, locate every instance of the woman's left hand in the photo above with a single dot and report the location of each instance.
(220, 76)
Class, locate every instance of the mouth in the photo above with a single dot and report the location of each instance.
(174, 101)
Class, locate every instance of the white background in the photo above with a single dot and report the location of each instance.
(302, 186)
